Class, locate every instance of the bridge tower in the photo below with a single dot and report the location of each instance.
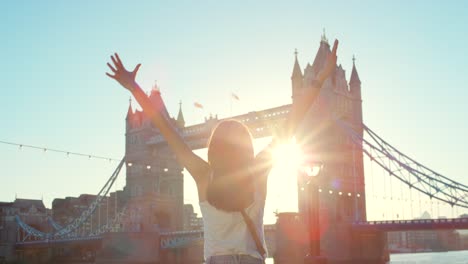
(341, 181)
(154, 180)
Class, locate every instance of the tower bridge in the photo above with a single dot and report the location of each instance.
(151, 230)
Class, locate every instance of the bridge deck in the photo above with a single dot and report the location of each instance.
(59, 242)
(408, 225)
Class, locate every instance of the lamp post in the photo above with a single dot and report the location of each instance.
(313, 207)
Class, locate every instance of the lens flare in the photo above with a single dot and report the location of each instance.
(282, 182)
(288, 156)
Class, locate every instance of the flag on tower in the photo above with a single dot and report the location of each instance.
(198, 105)
(235, 96)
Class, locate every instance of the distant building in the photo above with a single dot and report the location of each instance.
(191, 219)
(32, 212)
(424, 240)
(70, 208)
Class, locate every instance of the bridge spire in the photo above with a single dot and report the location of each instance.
(324, 37)
(180, 116)
(354, 80)
(297, 72)
(321, 56)
(355, 90)
(297, 77)
(130, 110)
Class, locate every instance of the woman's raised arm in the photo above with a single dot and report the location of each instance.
(196, 166)
(263, 160)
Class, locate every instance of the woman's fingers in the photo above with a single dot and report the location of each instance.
(136, 69)
(118, 60)
(110, 75)
(115, 61)
(335, 47)
(112, 68)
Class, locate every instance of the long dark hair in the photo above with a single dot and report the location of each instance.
(230, 155)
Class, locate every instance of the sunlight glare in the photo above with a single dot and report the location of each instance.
(312, 171)
(288, 156)
(282, 184)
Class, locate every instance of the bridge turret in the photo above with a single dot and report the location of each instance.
(355, 89)
(296, 78)
(311, 71)
(322, 55)
(180, 117)
(130, 109)
(131, 122)
(129, 116)
(155, 99)
(354, 81)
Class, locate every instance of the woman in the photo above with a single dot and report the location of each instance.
(232, 185)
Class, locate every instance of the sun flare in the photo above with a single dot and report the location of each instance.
(287, 156)
(282, 183)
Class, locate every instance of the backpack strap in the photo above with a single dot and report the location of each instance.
(251, 227)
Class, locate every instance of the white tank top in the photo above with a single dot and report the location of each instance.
(226, 233)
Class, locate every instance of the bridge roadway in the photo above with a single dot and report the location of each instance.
(176, 239)
(409, 225)
(63, 242)
(181, 239)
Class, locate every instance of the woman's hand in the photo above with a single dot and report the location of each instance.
(330, 64)
(121, 75)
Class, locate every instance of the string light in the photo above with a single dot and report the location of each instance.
(71, 153)
(47, 149)
(341, 193)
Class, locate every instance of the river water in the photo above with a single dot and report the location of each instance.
(452, 257)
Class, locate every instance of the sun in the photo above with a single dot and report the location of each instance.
(288, 156)
(282, 182)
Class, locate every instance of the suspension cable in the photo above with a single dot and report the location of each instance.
(450, 192)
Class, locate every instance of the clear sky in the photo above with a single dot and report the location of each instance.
(410, 55)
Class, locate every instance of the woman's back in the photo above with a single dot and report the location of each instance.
(226, 233)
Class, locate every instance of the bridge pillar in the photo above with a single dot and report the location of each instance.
(370, 247)
(129, 248)
(191, 254)
(291, 239)
(34, 256)
(343, 245)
